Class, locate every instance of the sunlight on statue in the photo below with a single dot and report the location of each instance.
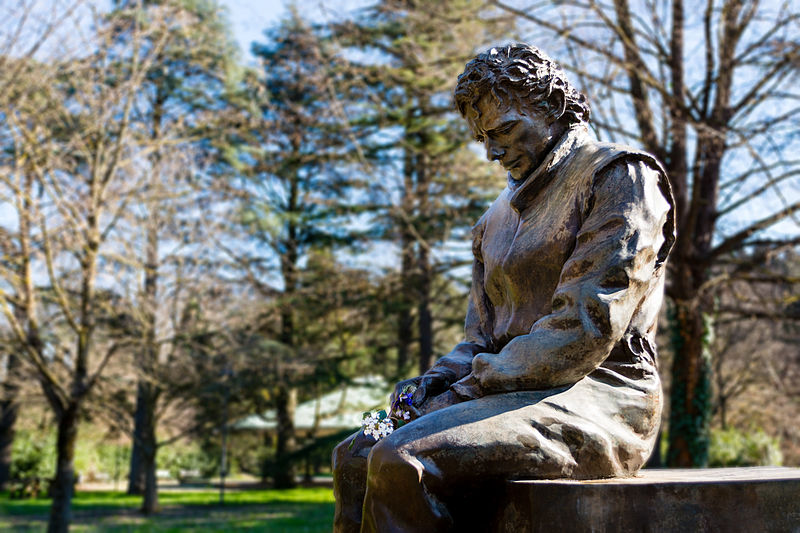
(556, 376)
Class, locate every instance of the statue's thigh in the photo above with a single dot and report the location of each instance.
(492, 437)
(591, 429)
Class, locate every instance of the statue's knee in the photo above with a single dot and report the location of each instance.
(340, 453)
(386, 461)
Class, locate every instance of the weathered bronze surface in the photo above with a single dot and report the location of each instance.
(556, 375)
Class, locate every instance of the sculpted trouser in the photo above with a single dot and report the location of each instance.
(436, 473)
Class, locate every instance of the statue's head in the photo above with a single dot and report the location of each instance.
(524, 77)
(518, 103)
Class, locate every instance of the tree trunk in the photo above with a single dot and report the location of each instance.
(425, 317)
(690, 398)
(150, 496)
(285, 403)
(266, 467)
(149, 449)
(136, 473)
(405, 320)
(149, 389)
(64, 482)
(424, 273)
(8, 418)
(285, 394)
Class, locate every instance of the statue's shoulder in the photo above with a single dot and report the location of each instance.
(599, 156)
(596, 156)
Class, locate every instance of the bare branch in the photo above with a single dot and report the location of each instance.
(739, 239)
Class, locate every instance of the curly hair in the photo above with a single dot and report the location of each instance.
(519, 72)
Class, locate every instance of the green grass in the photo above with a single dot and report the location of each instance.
(296, 510)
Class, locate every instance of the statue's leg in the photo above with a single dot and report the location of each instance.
(419, 475)
(350, 481)
(400, 495)
(442, 472)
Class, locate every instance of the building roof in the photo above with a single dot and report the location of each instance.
(337, 410)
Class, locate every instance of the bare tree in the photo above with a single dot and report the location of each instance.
(28, 29)
(712, 93)
(756, 354)
(184, 86)
(70, 174)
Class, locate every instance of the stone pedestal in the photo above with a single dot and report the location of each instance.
(721, 500)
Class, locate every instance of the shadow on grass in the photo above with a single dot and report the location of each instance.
(306, 510)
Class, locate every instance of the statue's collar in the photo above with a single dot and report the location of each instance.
(524, 191)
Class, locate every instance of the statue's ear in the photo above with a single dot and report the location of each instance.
(558, 104)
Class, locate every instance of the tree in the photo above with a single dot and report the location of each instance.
(71, 173)
(431, 187)
(10, 384)
(756, 362)
(20, 41)
(717, 106)
(185, 84)
(291, 197)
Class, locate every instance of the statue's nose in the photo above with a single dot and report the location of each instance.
(493, 153)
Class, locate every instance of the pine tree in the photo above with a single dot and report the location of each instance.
(293, 197)
(429, 184)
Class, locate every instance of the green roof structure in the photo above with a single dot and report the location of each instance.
(334, 411)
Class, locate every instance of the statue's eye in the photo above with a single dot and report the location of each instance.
(505, 128)
(501, 129)
(479, 138)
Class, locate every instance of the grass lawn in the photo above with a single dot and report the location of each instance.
(296, 510)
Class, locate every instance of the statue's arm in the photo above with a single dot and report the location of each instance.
(619, 248)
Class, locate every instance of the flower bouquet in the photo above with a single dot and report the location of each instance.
(381, 424)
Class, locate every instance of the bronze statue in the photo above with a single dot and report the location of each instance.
(556, 376)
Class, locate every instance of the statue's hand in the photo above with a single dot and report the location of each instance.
(401, 386)
(467, 388)
(426, 386)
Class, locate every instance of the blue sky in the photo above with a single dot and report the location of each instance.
(249, 18)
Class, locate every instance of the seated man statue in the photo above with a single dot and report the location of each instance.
(556, 376)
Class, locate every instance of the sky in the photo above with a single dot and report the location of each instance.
(249, 18)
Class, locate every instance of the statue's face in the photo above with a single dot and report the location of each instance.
(518, 139)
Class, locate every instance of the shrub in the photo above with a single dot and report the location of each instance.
(33, 455)
(188, 461)
(733, 447)
(113, 460)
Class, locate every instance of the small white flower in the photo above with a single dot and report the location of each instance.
(376, 426)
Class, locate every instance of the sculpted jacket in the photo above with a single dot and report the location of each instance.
(568, 272)
(558, 359)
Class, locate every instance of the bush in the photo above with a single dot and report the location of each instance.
(732, 447)
(188, 462)
(248, 454)
(113, 460)
(33, 455)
